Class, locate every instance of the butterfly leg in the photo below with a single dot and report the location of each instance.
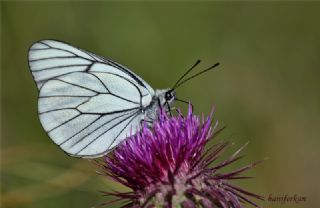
(169, 109)
(148, 122)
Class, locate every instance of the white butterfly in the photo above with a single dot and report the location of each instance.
(88, 104)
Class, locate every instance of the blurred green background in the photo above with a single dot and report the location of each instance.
(266, 90)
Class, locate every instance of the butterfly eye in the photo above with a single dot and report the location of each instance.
(169, 96)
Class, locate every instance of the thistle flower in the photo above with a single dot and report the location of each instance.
(168, 166)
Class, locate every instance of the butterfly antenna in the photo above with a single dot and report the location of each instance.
(185, 74)
(197, 74)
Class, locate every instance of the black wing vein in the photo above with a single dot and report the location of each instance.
(97, 137)
(86, 88)
(40, 113)
(88, 134)
(63, 123)
(59, 67)
(140, 93)
(80, 130)
(134, 116)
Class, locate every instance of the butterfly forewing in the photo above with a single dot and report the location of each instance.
(87, 104)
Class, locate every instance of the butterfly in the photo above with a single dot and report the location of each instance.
(89, 104)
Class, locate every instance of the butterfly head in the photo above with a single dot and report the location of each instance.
(165, 97)
(169, 96)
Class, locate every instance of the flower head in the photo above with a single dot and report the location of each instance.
(168, 166)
